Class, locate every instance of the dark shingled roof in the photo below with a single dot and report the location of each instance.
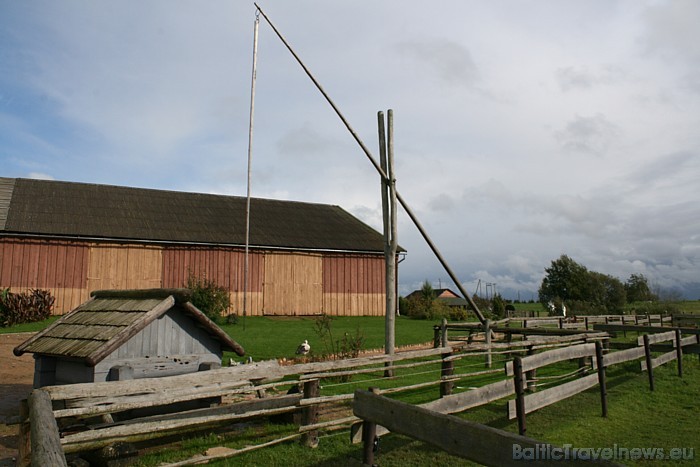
(101, 325)
(53, 208)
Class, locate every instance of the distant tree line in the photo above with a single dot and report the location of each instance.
(590, 292)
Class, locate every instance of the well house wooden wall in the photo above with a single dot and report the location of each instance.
(280, 283)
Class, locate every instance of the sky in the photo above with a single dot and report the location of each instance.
(524, 130)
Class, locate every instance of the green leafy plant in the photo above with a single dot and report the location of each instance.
(337, 349)
(211, 299)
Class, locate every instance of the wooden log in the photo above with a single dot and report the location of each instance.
(169, 424)
(647, 356)
(473, 398)
(600, 363)
(519, 389)
(613, 358)
(309, 415)
(641, 328)
(660, 360)
(45, 439)
(24, 447)
(369, 437)
(553, 356)
(679, 353)
(552, 395)
(446, 371)
(659, 337)
(463, 438)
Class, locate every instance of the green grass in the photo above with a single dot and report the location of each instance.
(265, 338)
(29, 327)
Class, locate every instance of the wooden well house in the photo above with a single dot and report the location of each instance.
(127, 334)
(74, 238)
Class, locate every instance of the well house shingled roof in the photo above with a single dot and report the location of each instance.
(99, 326)
(53, 208)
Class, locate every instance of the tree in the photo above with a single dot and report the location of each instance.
(581, 290)
(565, 280)
(638, 290)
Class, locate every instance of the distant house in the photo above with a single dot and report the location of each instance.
(74, 238)
(445, 295)
(121, 335)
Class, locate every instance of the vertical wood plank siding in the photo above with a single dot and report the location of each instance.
(281, 283)
(223, 266)
(60, 267)
(353, 285)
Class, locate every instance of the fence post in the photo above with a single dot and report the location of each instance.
(447, 370)
(647, 355)
(530, 375)
(436, 337)
(600, 361)
(487, 338)
(309, 414)
(519, 394)
(45, 438)
(585, 321)
(679, 353)
(24, 449)
(444, 332)
(369, 433)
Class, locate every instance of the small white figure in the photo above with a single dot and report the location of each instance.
(303, 348)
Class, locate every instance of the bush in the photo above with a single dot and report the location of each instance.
(430, 308)
(211, 299)
(27, 307)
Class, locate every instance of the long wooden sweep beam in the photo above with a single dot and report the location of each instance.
(381, 172)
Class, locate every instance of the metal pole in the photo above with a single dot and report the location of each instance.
(364, 148)
(246, 266)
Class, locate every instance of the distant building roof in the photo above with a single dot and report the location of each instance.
(67, 209)
(439, 293)
(99, 326)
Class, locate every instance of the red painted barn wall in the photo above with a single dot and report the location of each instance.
(223, 266)
(353, 285)
(59, 266)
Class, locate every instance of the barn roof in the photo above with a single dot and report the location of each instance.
(68, 209)
(102, 324)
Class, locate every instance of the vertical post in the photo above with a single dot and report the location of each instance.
(246, 260)
(309, 414)
(443, 335)
(447, 371)
(532, 374)
(487, 338)
(585, 320)
(369, 433)
(601, 378)
(647, 355)
(436, 336)
(24, 449)
(679, 353)
(519, 394)
(45, 438)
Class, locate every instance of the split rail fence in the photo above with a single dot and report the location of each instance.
(111, 412)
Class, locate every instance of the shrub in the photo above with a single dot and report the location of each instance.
(27, 307)
(338, 349)
(211, 299)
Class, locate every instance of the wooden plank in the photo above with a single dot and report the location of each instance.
(538, 400)
(641, 329)
(613, 358)
(463, 438)
(660, 360)
(165, 425)
(658, 337)
(533, 362)
(466, 400)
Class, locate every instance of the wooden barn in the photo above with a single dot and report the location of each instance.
(121, 335)
(74, 238)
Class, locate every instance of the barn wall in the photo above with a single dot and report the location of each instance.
(224, 266)
(124, 267)
(354, 285)
(293, 284)
(59, 266)
(281, 283)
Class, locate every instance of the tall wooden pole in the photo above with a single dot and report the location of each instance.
(246, 265)
(386, 158)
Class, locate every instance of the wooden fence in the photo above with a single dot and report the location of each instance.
(100, 408)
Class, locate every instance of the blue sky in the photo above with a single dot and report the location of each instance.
(524, 129)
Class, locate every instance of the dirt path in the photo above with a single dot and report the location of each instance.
(16, 376)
